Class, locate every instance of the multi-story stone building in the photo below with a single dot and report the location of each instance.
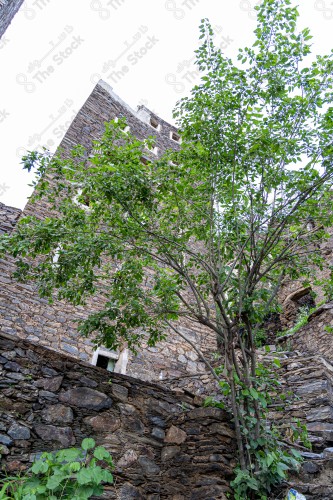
(25, 314)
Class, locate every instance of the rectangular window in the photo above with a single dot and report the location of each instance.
(154, 123)
(175, 137)
(104, 358)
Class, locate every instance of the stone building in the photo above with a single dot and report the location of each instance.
(25, 314)
(8, 9)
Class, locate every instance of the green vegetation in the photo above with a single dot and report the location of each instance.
(71, 474)
(302, 319)
(207, 233)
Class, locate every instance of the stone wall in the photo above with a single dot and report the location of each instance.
(316, 336)
(293, 295)
(164, 445)
(307, 383)
(24, 314)
(8, 218)
(8, 9)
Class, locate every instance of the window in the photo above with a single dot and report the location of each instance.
(154, 123)
(104, 358)
(55, 255)
(152, 149)
(125, 128)
(144, 160)
(175, 137)
(82, 200)
(105, 362)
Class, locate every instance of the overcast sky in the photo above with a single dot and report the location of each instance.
(55, 51)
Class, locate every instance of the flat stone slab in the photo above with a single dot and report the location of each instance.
(85, 397)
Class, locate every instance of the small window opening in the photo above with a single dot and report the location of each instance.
(153, 149)
(154, 123)
(124, 128)
(82, 200)
(56, 255)
(144, 160)
(175, 137)
(106, 363)
(105, 359)
(306, 302)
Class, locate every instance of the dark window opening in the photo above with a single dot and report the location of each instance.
(154, 123)
(306, 302)
(84, 200)
(175, 137)
(106, 363)
(144, 160)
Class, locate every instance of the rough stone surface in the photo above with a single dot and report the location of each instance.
(315, 337)
(175, 436)
(57, 414)
(17, 431)
(306, 382)
(8, 218)
(188, 465)
(63, 435)
(84, 397)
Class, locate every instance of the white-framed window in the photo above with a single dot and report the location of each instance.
(111, 361)
(174, 136)
(82, 201)
(104, 358)
(125, 129)
(153, 122)
(55, 255)
(153, 149)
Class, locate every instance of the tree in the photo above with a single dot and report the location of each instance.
(206, 233)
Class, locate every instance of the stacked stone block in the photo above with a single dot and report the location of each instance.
(165, 446)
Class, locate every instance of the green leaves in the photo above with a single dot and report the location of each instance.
(204, 234)
(40, 467)
(58, 474)
(88, 444)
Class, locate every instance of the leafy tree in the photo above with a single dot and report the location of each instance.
(207, 233)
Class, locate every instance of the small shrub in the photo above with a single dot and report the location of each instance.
(71, 474)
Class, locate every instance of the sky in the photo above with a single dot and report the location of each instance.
(55, 51)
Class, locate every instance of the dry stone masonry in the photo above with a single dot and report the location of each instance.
(316, 337)
(8, 218)
(165, 446)
(307, 384)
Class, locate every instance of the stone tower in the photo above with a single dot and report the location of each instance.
(25, 314)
